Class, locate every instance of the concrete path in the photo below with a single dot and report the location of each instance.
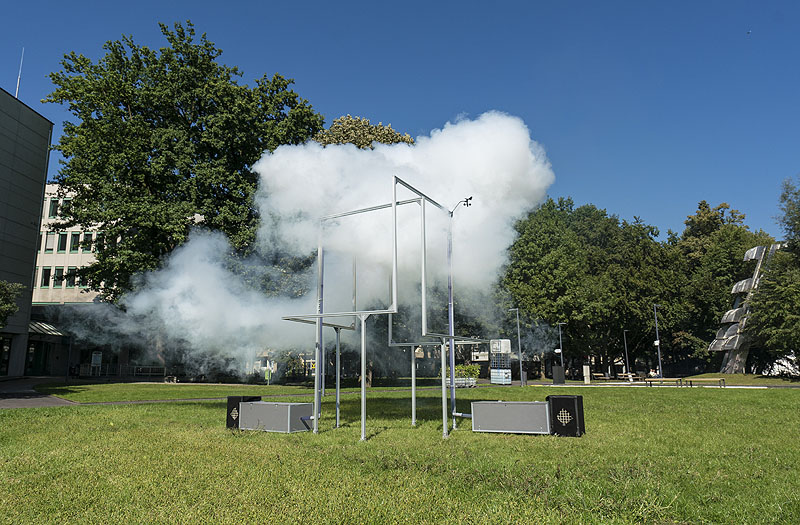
(19, 393)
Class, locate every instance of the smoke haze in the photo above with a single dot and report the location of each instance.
(195, 298)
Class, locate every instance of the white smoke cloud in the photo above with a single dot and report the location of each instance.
(196, 299)
(491, 158)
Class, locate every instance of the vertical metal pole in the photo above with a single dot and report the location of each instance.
(317, 400)
(321, 366)
(363, 376)
(394, 245)
(658, 343)
(561, 345)
(423, 268)
(519, 348)
(444, 389)
(19, 75)
(627, 363)
(450, 318)
(413, 386)
(338, 373)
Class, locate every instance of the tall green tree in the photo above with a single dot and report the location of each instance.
(359, 131)
(9, 292)
(163, 140)
(712, 245)
(774, 324)
(597, 274)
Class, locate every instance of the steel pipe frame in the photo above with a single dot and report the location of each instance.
(318, 318)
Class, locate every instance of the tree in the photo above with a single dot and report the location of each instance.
(774, 324)
(9, 292)
(165, 140)
(359, 131)
(592, 271)
(712, 245)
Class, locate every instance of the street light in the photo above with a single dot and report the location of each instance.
(519, 346)
(627, 363)
(658, 342)
(561, 345)
(450, 316)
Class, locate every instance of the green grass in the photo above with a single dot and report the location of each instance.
(750, 379)
(112, 392)
(657, 455)
(109, 392)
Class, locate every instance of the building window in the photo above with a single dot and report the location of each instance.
(49, 242)
(58, 277)
(82, 282)
(62, 243)
(45, 277)
(35, 273)
(88, 245)
(53, 208)
(99, 241)
(70, 278)
(39, 245)
(74, 242)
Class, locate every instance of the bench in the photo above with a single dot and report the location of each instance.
(627, 376)
(661, 380)
(597, 376)
(720, 381)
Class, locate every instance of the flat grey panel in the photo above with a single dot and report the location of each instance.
(274, 417)
(516, 417)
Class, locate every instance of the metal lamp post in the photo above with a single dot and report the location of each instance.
(519, 346)
(627, 363)
(560, 344)
(450, 315)
(658, 342)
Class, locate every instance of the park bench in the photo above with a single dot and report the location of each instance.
(627, 376)
(597, 376)
(661, 380)
(720, 381)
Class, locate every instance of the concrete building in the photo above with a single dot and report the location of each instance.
(24, 155)
(59, 255)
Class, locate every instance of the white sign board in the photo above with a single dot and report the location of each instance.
(500, 346)
(97, 358)
(480, 356)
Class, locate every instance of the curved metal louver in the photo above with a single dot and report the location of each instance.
(754, 253)
(745, 285)
(733, 343)
(717, 345)
(733, 316)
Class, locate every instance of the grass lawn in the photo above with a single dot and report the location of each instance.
(750, 379)
(659, 455)
(109, 392)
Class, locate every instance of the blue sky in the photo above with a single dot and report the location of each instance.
(643, 108)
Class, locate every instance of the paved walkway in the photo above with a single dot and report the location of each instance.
(19, 393)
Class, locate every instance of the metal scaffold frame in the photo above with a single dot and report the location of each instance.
(319, 318)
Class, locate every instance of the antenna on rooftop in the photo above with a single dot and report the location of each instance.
(19, 75)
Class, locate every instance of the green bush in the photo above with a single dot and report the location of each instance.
(467, 371)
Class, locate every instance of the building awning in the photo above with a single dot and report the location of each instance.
(38, 327)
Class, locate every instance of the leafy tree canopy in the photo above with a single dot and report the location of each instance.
(359, 131)
(9, 292)
(594, 272)
(164, 140)
(774, 324)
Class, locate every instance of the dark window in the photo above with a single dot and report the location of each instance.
(46, 277)
(62, 242)
(39, 246)
(88, 246)
(71, 273)
(74, 242)
(58, 277)
(53, 208)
